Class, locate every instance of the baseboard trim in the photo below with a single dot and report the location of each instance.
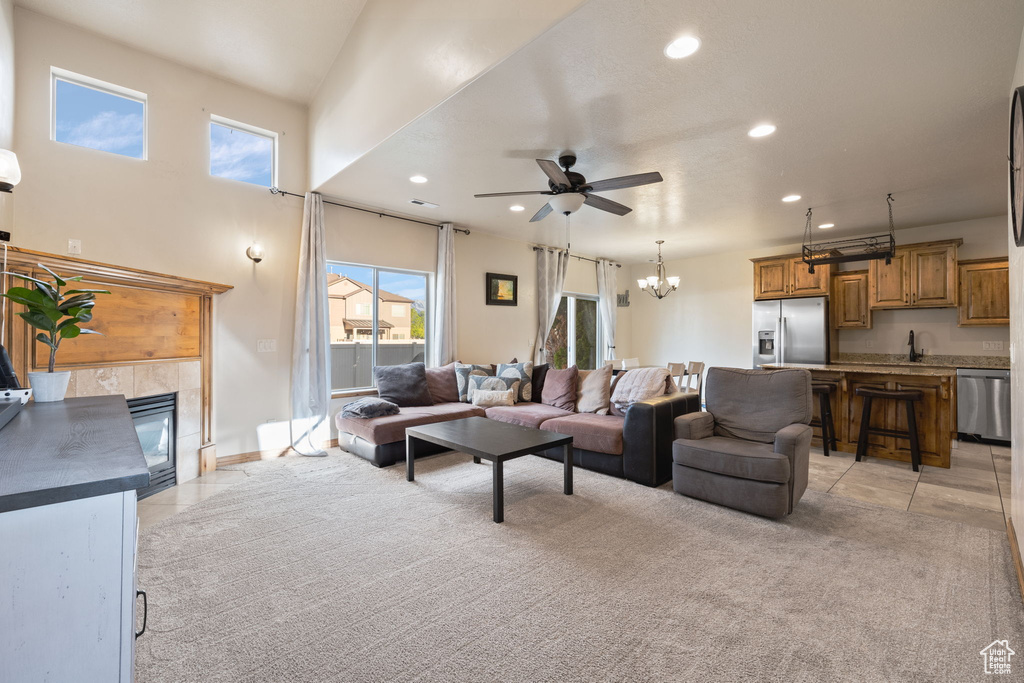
(254, 456)
(1015, 551)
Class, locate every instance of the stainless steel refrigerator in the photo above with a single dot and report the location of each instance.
(790, 331)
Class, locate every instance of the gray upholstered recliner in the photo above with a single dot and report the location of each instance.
(750, 449)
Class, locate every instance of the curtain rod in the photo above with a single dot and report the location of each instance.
(275, 190)
(578, 258)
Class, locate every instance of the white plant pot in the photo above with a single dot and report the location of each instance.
(48, 387)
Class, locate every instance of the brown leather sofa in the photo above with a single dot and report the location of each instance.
(637, 447)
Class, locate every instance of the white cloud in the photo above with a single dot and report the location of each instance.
(241, 156)
(107, 131)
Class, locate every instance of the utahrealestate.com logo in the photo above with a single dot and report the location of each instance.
(997, 657)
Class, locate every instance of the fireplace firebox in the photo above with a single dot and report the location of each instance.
(155, 420)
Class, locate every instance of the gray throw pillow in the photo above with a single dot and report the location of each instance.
(368, 407)
(481, 383)
(403, 385)
(522, 372)
(463, 373)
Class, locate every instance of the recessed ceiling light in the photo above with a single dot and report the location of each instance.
(824, 226)
(418, 179)
(516, 207)
(791, 198)
(761, 130)
(682, 47)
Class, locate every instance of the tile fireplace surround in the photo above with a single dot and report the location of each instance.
(139, 380)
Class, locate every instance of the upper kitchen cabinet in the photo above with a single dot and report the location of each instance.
(849, 300)
(781, 277)
(919, 276)
(984, 292)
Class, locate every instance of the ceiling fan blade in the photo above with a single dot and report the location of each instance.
(625, 181)
(552, 170)
(544, 211)
(511, 194)
(606, 205)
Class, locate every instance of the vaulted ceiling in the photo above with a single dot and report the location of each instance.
(869, 97)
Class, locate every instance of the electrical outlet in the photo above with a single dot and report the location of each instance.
(266, 345)
(74, 246)
(992, 346)
(868, 344)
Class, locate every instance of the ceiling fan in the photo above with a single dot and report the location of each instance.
(570, 190)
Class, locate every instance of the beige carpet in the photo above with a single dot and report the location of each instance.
(332, 570)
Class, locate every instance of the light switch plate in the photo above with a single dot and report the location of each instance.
(266, 345)
(74, 246)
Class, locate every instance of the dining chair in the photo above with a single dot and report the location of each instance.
(694, 369)
(677, 371)
(630, 363)
(614, 363)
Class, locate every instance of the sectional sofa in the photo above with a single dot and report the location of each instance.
(636, 446)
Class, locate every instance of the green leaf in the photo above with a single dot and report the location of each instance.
(46, 340)
(53, 314)
(85, 331)
(77, 278)
(26, 296)
(44, 287)
(71, 292)
(70, 332)
(76, 301)
(38, 320)
(82, 315)
(60, 283)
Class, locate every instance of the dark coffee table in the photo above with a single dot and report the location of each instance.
(489, 440)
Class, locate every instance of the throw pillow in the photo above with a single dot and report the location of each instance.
(522, 372)
(462, 374)
(403, 385)
(560, 388)
(441, 383)
(539, 372)
(594, 392)
(479, 383)
(483, 398)
(369, 406)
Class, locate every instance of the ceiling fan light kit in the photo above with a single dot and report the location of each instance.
(569, 190)
(872, 247)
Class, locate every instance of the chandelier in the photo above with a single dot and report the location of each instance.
(658, 285)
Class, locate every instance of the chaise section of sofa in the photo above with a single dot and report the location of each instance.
(381, 440)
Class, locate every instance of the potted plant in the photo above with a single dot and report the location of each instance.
(58, 315)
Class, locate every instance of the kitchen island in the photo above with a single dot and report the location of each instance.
(935, 413)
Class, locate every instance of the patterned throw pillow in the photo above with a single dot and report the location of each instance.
(489, 399)
(480, 383)
(463, 373)
(522, 372)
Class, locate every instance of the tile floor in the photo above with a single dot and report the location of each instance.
(975, 490)
(171, 501)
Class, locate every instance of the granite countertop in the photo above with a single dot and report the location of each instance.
(917, 369)
(931, 360)
(71, 449)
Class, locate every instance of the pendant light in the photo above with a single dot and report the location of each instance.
(658, 285)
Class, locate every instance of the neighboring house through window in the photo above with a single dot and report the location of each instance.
(377, 316)
(575, 335)
(91, 113)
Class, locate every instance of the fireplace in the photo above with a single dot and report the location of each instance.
(155, 418)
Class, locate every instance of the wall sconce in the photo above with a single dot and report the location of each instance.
(255, 252)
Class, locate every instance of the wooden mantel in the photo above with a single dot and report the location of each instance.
(148, 317)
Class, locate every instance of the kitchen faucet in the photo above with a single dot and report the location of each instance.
(915, 356)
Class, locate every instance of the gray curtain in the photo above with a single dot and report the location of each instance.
(443, 340)
(311, 394)
(607, 279)
(551, 268)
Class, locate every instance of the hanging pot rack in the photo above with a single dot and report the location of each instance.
(872, 247)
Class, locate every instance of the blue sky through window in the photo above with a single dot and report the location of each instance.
(99, 120)
(243, 156)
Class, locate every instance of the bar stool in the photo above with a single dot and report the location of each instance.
(909, 397)
(827, 425)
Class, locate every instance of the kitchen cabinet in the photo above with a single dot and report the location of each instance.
(918, 276)
(849, 301)
(782, 277)
(984, 292)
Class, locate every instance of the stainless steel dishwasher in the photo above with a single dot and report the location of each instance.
(983, 403)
